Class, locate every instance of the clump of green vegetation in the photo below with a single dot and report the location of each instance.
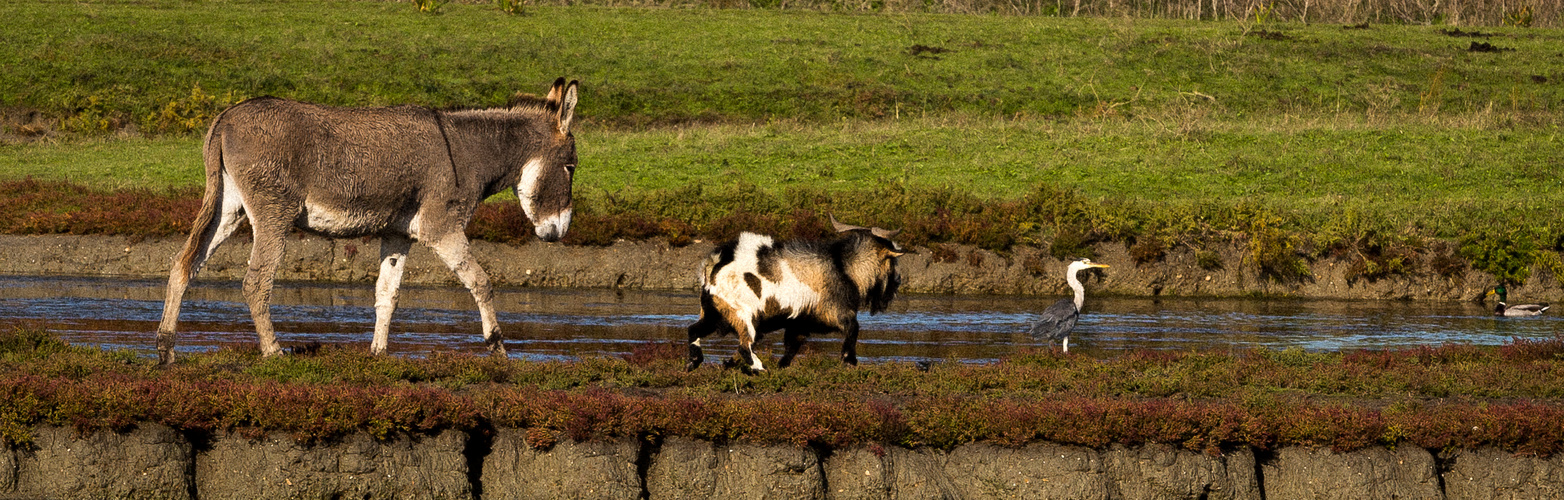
(1276, 252)
(430, 6)
(190, 114)
(512, 7)
(1504, 254)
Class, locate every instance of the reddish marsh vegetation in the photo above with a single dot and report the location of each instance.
(39, 207)
(1433, 397)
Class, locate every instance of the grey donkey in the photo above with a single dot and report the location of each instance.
(401, 173)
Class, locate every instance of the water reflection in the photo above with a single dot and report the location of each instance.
(570, 323)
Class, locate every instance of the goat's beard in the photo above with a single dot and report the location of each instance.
(880, 295)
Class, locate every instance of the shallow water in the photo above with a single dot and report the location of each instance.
(570, 323)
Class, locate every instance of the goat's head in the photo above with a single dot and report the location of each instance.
(873, 266)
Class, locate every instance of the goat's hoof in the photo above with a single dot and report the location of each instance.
(850, 360)
(693, 364)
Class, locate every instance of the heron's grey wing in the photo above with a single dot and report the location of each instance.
(1056, 321)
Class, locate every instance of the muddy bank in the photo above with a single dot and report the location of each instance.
(153, 461)
(657, 265)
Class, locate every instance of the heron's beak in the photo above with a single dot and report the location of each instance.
(1099, 265)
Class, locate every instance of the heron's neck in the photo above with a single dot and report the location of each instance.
(1080, 292)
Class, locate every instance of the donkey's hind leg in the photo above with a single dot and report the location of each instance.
(219, 217)
(265, 255)
(393, 259)
(454, 251)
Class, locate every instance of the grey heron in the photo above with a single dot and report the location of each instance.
(1058, 319)
(1504, 309)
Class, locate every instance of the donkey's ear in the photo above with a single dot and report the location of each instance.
(567, 107)
(557, 90)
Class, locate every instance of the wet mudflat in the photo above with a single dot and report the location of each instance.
(545, 324)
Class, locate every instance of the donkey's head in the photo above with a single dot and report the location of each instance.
(544, 188)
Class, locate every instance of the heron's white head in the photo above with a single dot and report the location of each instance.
(1078, 265)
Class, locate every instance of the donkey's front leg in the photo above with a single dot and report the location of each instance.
(393, 259)
(453, 249)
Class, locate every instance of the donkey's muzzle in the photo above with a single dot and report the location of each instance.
(553, 228)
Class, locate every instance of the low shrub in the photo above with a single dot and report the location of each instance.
(1434, 397)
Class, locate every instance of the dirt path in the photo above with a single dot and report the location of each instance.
(656, 265)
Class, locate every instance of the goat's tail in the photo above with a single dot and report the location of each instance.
(708, 268)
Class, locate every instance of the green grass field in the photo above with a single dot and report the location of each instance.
(1335, 133)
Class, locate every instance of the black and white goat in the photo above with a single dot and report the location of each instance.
(754, 285)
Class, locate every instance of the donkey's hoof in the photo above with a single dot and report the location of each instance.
(497, 348)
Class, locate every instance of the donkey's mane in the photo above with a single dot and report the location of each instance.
(520, 104)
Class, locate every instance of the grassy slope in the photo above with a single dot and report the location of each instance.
(664, 65)
(1394, 129)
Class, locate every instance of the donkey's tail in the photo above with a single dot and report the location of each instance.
(212, 151)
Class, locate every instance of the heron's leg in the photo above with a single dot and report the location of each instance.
(265, 254)
(202, 242)
(792, 341)
(850, 342)
(393, 260)
(454, 251)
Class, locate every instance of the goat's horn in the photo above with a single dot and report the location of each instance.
(842, 228)
(884, 233)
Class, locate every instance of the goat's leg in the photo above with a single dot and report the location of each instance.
(454, 251)
(706, 325)
(792, 341)
(746, 352)
(220, 215)
(850, 342)
(265, 255)
(393, 260)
